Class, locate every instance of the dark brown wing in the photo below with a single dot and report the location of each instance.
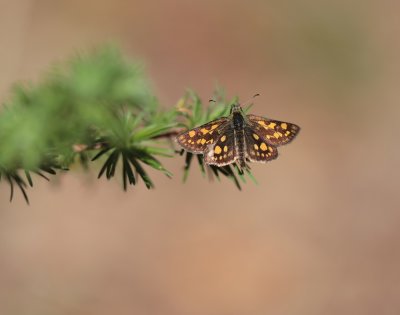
(222, 152)
(274, 132)
(257, 149)
(197, 139)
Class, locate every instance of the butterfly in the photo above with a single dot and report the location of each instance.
(238, 138)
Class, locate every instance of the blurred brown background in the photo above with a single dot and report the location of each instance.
(319, 234)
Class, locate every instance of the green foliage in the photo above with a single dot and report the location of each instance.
(96, 107)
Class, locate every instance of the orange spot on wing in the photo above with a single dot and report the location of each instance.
(263, 147)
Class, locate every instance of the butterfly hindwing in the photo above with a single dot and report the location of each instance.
(197, 140)
(222, 152)
(274, 132)
(257, 149)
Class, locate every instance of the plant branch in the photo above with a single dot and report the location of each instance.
(97, 106)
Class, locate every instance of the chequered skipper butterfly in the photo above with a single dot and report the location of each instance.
(238, 138)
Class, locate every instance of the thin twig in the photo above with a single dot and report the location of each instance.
(78, 148)
(169, 134)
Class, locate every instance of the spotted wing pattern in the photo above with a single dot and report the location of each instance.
(198, 139)
(274, 132)
(223, 151)
(257, 148)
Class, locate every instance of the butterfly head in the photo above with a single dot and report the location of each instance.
(236, 108)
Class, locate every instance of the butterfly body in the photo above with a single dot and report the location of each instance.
(238, 124)
(238, 138)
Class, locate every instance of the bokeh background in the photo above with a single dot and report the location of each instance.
(319, 234)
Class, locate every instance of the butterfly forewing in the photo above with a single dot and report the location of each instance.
(274, 132)
(223, 151)
(197, 140)
(257, 149)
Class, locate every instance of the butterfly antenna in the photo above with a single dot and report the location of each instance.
(250, 99)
